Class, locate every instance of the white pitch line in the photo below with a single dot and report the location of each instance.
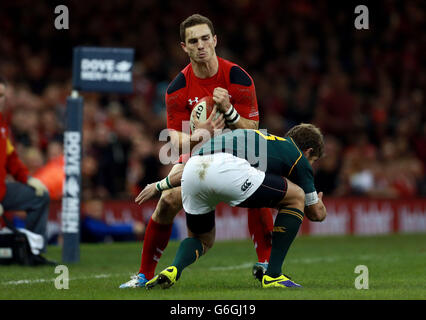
(240, 266)
(302, 261)
(26, 281)
(31, 281)
(236, 267)
(250, 264)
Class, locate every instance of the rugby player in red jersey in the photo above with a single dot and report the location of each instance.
(234, 95)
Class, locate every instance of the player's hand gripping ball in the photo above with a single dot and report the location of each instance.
(202, 111)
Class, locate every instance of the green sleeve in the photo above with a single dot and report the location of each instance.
(303, 176)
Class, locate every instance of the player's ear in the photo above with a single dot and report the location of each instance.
(307, 153)
(183, 45)
(215, 40)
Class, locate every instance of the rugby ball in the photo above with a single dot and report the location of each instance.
(202, 111)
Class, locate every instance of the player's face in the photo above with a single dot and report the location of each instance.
(308, 154)
(312, 159)
(199, 43)
(2, 96)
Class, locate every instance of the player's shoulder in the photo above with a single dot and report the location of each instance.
(289, 147)
(179, 82)
(302, 162)
(237, 75)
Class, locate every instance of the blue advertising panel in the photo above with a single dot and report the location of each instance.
(103, 69)
(71, 195)
(95, 69)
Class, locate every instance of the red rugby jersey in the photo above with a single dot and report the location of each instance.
(186, 90)
(9, 161)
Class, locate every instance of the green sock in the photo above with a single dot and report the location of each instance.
(189, 251)
(286, 226)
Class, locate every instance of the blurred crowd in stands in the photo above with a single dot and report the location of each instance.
(364, 88)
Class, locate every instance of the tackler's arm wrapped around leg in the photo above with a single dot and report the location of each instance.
(171, 181)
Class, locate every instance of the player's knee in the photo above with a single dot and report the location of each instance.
(207, 240)
(203, 228)
(207, 244)
(294, 198)
(171, 201)
(299, 198)
(168, 207)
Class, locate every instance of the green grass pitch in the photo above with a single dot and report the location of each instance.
(325, 266)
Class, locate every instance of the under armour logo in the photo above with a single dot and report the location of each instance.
(192, 101)
(246, 185)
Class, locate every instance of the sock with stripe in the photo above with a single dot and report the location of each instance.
(189, 251)
(156, 238)
(286, 226)
(260, 225)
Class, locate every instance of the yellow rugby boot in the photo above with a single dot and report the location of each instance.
(165, 279)
(278, 282)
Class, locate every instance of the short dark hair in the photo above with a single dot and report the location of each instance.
(3, 81)
(194, 20)
(307, 136)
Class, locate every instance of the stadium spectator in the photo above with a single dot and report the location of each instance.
(95, 229)
(24, 193)
(52, 173)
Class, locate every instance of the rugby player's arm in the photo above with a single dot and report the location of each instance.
(182, 142)
(177, 114)
(203, 132)
(316, 211)
(244, 100)
(173, 180)
(245, 123)
(175, 175)
(314, 207)
(247, 110)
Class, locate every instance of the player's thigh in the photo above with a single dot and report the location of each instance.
(225, 178)
(294, 197)
(199, 193)
(275, 191)
(202, 226)
(168, 206)
(268, 194)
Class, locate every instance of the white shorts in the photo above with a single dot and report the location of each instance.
(221, 177)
